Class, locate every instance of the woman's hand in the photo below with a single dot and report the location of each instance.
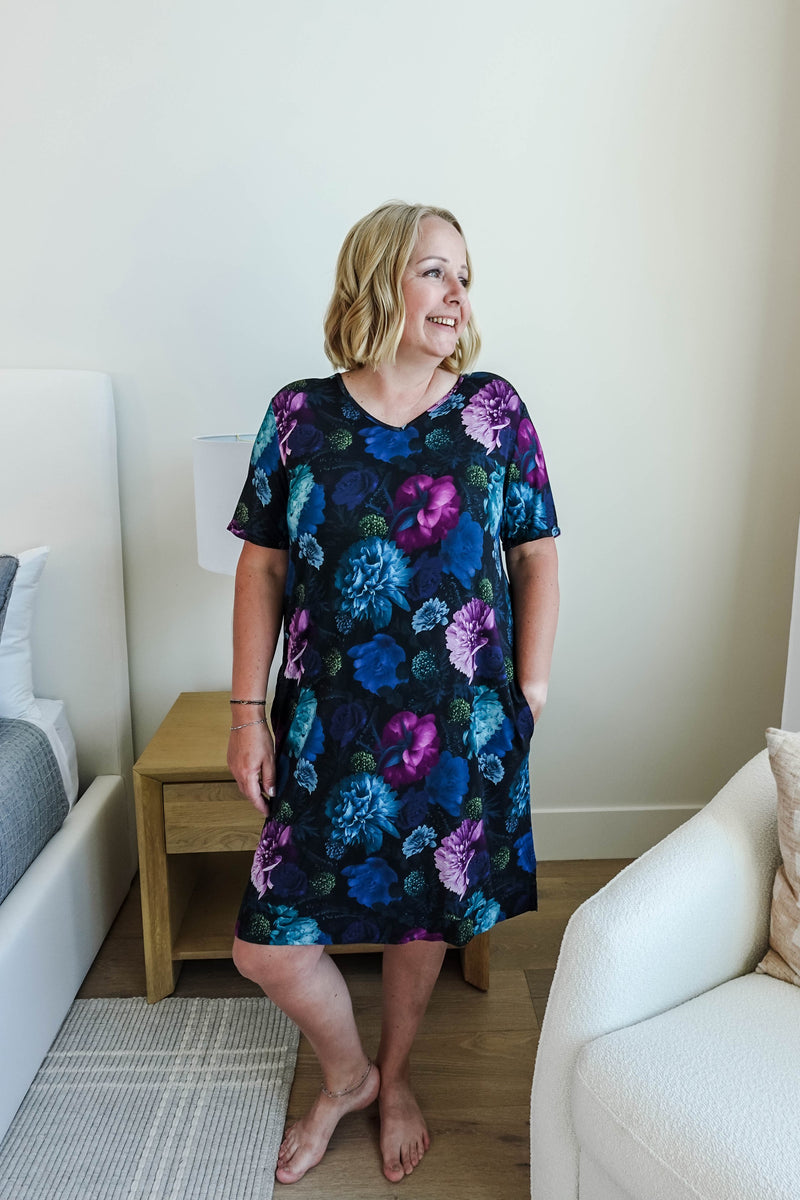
(251, 760)
(535, 698)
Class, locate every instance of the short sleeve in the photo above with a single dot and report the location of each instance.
(260, 515)
(529, 512)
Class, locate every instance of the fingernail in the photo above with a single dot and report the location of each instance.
(270, 791)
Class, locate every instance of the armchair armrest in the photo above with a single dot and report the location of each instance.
(688, 915)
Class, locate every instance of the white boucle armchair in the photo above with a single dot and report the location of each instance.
(667, 1069)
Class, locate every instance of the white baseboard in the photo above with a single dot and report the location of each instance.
(565, 833)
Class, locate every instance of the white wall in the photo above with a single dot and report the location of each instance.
(178, 176)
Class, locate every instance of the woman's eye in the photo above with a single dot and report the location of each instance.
(434, 271)
(464, 282)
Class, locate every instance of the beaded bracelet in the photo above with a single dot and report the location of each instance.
(262, 702)
(246, 724)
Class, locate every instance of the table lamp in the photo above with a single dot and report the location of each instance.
(220, 469)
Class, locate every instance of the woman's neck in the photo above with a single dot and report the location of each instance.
(399, 387)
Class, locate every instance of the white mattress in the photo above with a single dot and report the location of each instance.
(52, 719)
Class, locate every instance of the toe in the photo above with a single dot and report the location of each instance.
(393, 1170)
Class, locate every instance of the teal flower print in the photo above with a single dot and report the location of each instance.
(372, 576)
(361, 809)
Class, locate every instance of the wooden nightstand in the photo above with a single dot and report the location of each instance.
(197, 835)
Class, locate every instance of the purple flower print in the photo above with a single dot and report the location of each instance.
(531, 459)
(455, 855)
(490, 412)
(424, 511)
(274, 838)
(299, 635)
(409, 748)
(472, 628)
(420, 935)
(287, 407)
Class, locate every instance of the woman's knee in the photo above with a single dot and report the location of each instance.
(273, 966)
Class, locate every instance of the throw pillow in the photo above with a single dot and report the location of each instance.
(8, 569)
(16, 670)
(783, 957)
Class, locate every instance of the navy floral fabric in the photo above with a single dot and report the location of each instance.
(402, 739)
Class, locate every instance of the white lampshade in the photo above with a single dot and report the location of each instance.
(791, 697)
(220, 469)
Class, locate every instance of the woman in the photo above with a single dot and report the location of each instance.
(396, 794)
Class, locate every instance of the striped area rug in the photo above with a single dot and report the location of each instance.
(184, 1098)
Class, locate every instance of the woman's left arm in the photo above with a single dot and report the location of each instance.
(533, 575)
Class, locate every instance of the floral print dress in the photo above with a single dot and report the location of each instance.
(402, 806)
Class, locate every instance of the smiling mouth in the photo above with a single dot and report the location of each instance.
(449, 322)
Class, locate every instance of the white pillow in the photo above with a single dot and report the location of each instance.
(16, 671)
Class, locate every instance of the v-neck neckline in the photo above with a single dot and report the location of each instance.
(396, 428)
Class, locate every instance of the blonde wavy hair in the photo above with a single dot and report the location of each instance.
(366, 315)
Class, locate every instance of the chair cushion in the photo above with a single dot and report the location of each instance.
(700, 1101)
(783, 957)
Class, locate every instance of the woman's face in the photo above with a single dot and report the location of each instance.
(434, 289)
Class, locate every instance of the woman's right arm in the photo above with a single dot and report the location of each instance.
(257, 616)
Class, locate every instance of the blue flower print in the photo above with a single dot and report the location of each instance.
(266, 450)
(311, 550)
(388, 444)
(418, 840)
(493, 503)
(484, 913)
(485, 719)
(455, 400)
(427, 577)
(302, 721)
(431, 614)
(376, 662)
(261, 484)
(348, 720)
(361, 809)
(519, 797)
(288, 880)
(306, 774)
(447, 783)
(306, 504)
(369, 882)
(501, 740)
(315, 742)
(415, 808)
(526, 515)
(372, 576)
(489, 662)
(354, 487)
(461, 549)
(289, 929)
(525, 856)
(491, 767)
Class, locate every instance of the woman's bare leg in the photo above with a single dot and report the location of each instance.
(308, 986)
(409, 973)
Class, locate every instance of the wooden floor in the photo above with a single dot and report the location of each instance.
(473, 1058)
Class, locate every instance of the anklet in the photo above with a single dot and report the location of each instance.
(347, 1091)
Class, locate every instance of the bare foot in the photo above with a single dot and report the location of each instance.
(404, 1134)
(305, 1142)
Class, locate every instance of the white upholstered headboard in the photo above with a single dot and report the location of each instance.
(58, 487)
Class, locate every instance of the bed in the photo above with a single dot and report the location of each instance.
(58, 487)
